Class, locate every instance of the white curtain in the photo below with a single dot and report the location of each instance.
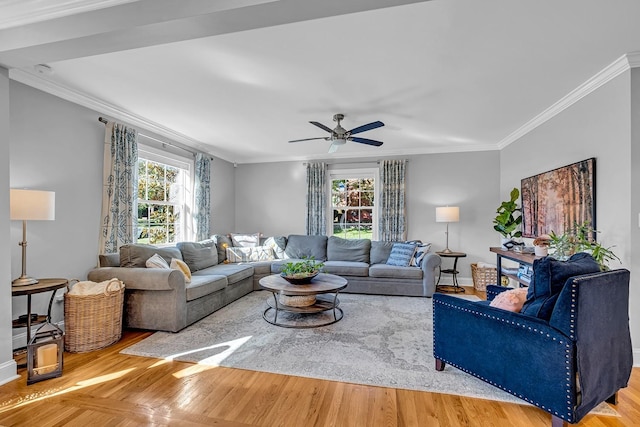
(392, 221)
(120, 187)
(202, 194)
(316, 199)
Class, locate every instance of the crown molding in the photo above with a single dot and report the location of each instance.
(613, 70)
(37, 81)
(22, 12)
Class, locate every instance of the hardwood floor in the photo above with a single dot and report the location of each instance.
(105, 388)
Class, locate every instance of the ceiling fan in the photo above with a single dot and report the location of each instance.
(339, 136)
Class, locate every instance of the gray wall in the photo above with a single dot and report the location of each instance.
(599, 125)
(271, 199)
(56, 145)
(7, 364)
(223, 187)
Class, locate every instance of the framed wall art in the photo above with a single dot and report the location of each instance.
(558, 199)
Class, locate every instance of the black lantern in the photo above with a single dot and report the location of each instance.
(44, 353)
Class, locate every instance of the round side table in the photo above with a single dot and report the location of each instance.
(453, 271)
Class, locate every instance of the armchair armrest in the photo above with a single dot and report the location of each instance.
(494, 290)
(520, 354)
(148, 279)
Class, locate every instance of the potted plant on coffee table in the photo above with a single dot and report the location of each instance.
(507, 221)
(301, 272)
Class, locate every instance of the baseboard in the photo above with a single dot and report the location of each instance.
(636, 357)
(8, 371)
(20, 340)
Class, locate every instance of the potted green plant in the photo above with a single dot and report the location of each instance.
(581, 238)
(507, 221)
(301, 271)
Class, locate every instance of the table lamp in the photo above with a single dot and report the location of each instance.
(448, 214)
(30, 205)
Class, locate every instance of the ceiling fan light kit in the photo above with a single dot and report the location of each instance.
(339, 135)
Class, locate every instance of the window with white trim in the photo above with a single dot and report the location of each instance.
(353, 209)
(164, 197)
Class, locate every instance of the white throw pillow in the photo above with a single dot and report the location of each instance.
(419, 254)
(156, 261)
(245, 240)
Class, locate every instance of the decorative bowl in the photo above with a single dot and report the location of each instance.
(300, 278)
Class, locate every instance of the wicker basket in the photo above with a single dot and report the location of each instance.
(93, 321)
(483, 276)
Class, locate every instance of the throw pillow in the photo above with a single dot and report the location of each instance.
(222, 243)
(177, 264)
(156, 261)
(245, 240)
(278, 245)
(401, 254)
(419, 254)
(511, 300)
(549, 277)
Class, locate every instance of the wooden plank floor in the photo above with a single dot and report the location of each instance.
(105, 388)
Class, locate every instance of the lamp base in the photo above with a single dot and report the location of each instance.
(24, 281)
(447, 251)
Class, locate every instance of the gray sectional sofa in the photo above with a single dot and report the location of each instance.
(161, 299)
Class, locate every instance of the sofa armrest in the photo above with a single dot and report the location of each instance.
(430, 263)
(149, 279)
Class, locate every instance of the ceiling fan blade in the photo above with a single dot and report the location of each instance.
(368, 126)
(333, 148)
(307, 139)
(366, 141)
(321, 126)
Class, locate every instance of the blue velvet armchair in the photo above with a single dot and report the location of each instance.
(566, 365)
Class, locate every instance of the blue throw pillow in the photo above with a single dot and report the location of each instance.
(549, 277)
(401, 254)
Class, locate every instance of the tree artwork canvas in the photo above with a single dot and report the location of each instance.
(558, 199)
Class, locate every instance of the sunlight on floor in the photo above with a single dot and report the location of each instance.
(36, 397)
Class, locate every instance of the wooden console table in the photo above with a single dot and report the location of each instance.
(520, 258)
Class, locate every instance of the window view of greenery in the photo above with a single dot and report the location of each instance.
(160, 194)
(352, 203)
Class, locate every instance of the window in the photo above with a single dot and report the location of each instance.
(163, 204)
(352, 204)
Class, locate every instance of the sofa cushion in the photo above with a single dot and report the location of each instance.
(347, 268)
(109, 260)
(233, 272)
(394, 272)
(199, 255)
(136, 254)
(401, 254)
(355, 250)
(222, 243)
(549, 277)
(299, 246)
(205, 285)
(380, 251)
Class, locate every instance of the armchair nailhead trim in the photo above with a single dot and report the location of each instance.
(565, 416)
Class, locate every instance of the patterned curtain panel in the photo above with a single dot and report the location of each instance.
(120, 187)
(316, 199)
(202, 192)
(392, 220)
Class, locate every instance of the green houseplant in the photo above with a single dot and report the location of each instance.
(507, 221)
(580, 238)
(302, 271)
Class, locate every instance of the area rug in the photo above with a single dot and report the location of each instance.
(381, 341)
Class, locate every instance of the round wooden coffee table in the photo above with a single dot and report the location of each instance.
(320, 286)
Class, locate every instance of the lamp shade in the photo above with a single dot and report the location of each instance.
(32, 205)
(448, 214)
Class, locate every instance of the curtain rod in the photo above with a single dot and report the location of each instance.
(105, 121)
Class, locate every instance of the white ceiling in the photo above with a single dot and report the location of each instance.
(239, 78)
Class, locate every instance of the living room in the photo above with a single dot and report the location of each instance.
(57, 144)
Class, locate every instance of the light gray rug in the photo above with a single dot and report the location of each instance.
(381, 341)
